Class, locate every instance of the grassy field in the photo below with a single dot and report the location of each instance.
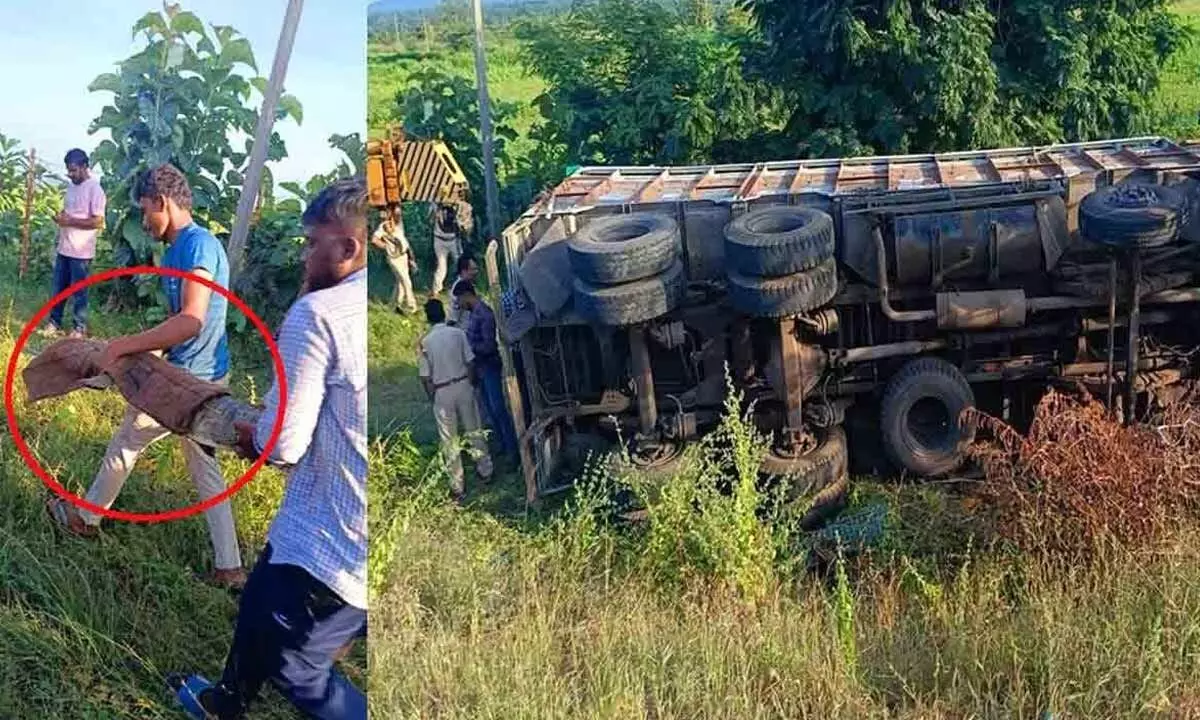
(89, 628)
(389, 68)
(498, 611)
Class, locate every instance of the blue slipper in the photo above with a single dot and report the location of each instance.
(187, 689)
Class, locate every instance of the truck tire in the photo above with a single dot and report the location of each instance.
(1132, 215)
(920, 417)
(779, 240)
(623, 248)
(633, 302)
(789, 295)
(821, 476)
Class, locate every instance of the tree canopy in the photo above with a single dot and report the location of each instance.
(926, 75)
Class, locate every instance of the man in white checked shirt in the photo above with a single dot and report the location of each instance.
(306, 600)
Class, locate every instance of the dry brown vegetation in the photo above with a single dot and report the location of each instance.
(1080, 479)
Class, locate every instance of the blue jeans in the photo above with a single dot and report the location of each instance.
(67, 272)
(491, 381)
(289, 629)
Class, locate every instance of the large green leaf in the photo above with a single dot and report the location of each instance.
(186, 22)
(107, 82)
(150, 22)
(238, 51)
(291, 106)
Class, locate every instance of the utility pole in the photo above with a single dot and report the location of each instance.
(485, 125)
(29, 178)
(262, 138)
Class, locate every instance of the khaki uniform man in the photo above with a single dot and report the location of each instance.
(446, 367)
(390, 238)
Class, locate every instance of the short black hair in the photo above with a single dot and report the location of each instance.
(166, 180)
(75, 156)
(434, 312)
(464, 288)
(464, 262)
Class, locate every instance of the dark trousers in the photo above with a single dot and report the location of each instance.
(290, 629)
(491, 385)
(67, 272)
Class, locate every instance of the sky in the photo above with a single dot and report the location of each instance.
(50, 50)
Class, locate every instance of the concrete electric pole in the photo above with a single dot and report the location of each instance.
(262, 138)
(485, 125)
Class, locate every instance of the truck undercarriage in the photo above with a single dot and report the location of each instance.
(874, 298)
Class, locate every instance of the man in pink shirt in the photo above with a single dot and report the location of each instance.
(78, 227)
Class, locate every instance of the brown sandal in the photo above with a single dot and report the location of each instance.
(66, 516)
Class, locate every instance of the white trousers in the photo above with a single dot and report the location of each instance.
(447, 253)
(404, 296)
(455, 410)
(137, 432)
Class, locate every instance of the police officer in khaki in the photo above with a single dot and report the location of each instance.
(390, 238)
(447, 369)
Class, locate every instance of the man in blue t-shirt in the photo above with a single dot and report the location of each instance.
(193, 338)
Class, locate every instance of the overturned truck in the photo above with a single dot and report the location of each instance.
(861, 304)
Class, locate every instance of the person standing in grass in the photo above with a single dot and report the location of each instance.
(447, 370)
(447, 247)
(193, 338)
(79, 225)
(390, 238)
(481, 335)
(306, 600)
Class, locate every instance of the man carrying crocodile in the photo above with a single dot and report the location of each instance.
(193, 338)
(306, 600)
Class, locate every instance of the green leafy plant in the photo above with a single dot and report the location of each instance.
(638, 83)
(927, 75)
(47, 201)
(180, 99)
(273, 271)
(439, 105)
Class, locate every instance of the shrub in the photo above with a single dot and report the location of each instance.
(1080, 480)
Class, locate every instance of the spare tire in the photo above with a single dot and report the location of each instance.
(921, 417)
(624, 248)
(631, 303)
(789, 295)
(1132, 215)
(778, 240)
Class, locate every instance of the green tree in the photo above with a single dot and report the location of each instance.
(632, 82)
(179, 100)
(896, 76)
(436, 104)
(47, 201)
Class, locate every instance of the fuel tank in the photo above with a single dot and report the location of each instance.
(979, 244)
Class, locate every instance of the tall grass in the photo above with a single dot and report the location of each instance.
(485, 616)
(88, 629)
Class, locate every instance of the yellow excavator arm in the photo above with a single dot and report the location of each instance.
(400, 170)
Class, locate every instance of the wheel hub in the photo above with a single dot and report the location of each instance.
(792, 444)
(652, 454)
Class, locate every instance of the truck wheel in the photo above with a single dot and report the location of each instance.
(821, 476)
(633, 302)
(624, 248)
(1132, 215)
(920, 418)
(789, 295)
(779, 240)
